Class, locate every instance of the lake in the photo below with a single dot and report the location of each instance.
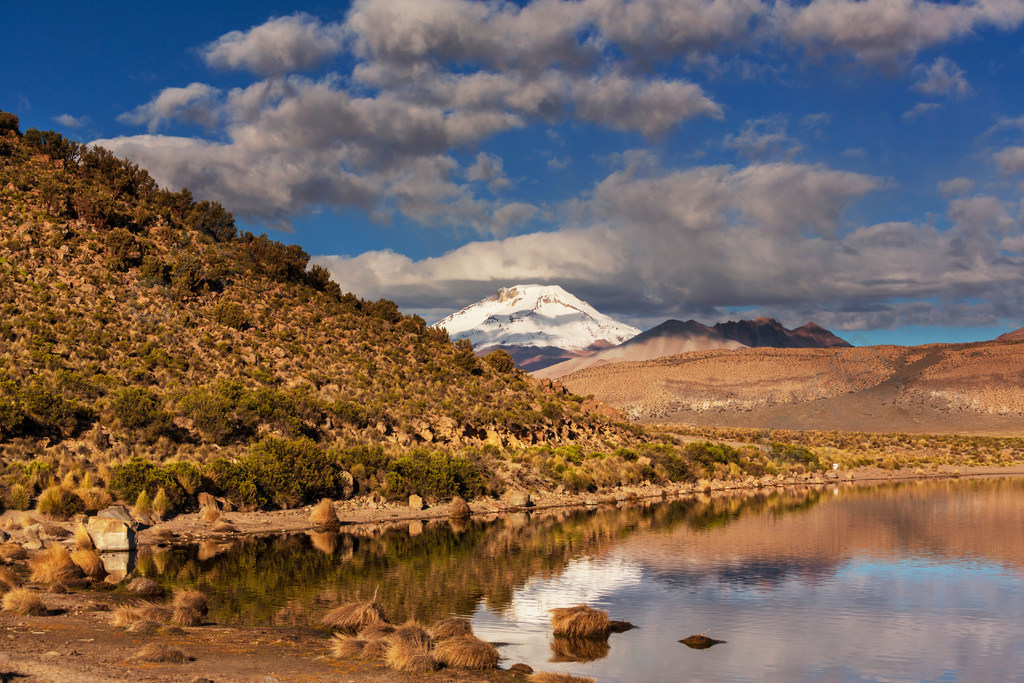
(850, 582)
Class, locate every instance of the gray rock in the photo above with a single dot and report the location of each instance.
(32, 540)
(110, 535)
(416, 502)
(206, 500)
(348, 486)
(119, 513)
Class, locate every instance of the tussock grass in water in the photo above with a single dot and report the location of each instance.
(466, 652)
(580, 621)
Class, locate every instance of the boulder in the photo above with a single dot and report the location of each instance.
(416, 502)
(110, 535)
(119, 513)
(32, 540)
(518, 499)
(206, 500)
(348, 486)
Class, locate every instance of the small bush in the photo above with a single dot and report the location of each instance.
(230, 314)
(138, 475)
(60, 503)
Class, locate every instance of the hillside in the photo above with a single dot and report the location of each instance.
(770, 332)
(939, 388)
(137, 321)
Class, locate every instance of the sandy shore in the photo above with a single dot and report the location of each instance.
(76, 641)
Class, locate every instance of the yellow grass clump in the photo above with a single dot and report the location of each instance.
(548, 677)
(409, 655)
(82, 538)
(23, 601)
(154, 612)
(123, 616)
(353, 616)
(10, 552)
(143, 504)
(88, 560)
(466, 652)
(94, 499)
(160, 652)
(374, 649)
(414, 633)
(346, 647)
(145, 588)
(209, 514)
(54, 565)
(189, 607)
(451, 627)
(376, 631)
(323, 515)
(9, 579)
(161, 503)
(224, 527)
(580, 621)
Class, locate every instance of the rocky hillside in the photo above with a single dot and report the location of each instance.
(137, 321)
(770, 332)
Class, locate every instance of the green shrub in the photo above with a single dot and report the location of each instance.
(500, 361)
(139, 410)
(18, 497)
(9, 123)
(235, 481)
(437, 475)
(293, 472)
(187, 474)
(130, 479)
(230, 314)
(794, 454)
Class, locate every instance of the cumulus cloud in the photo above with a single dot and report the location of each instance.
(761, 138)
(880, 31)
(943, 77)
(279, 46)
(956, 186)
(488, 169)
(1010, 160)
(195, 103)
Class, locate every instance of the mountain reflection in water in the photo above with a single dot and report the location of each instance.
(920, 580)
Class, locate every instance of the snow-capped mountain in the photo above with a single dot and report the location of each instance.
(535, 316)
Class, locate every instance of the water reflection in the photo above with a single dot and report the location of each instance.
(919, 580)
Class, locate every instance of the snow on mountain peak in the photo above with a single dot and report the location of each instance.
(535, 315)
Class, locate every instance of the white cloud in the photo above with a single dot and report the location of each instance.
(195, 103)
(69, 121)
(277, 47)
(489, 169)
(762, 138)
(956, 186)
(1010, 160)
(920, 109)
(943, 77)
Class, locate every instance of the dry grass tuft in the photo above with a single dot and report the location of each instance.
(466, 652)
(123, 616)
(346, 647)
(192, 599)
(145, 588)
(374, 649)
(11, 552)
(224, 527)
(209, 514)
(413, 633)
(353, 616)
(566, 649)
(54, 565)
(145, 626)
(82, 538)
(406, 655)
(580, 621)
(451, 627)
(376, 631)
(154, 612)
(324, 541)
(548, 677)
(459, 509)
(9, 579)
(23, 601)
(88, 560)
(184, 616)
(160, 652)
(323, 515)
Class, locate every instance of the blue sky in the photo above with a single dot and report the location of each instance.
(856, 163)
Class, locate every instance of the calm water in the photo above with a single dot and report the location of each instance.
(919, 581)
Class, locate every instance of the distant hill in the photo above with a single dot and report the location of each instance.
(674, 337)
(938, 388)
(667, 339)
(769, 332)
(537, 324)
(1016, 335)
